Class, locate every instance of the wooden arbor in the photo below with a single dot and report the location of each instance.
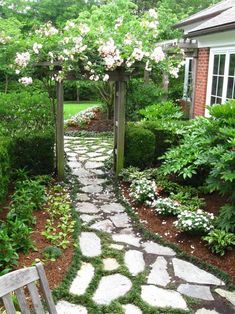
(120, 78)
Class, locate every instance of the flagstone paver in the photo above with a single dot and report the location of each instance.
(159, 274)
(83, 279)
(192, 273)
(90, 244)
(131, 309)
(196, 291)
(134, 261)
(163, 298)
(109, 242)
(111, 287)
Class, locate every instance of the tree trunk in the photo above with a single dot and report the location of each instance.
(78, 95)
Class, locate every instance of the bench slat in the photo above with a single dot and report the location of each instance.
(8, 303)
(35, 298)
(22, 301)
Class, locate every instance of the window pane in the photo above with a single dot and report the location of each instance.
(222, 64)
(213, 100)
(230, 87)
(216, 64)
(219, 100)
(232, 65)
(190, 65)
(214, 86)
(220, 86)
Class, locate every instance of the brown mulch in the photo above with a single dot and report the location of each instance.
(99, 124)
(55, 271)
(191, 244)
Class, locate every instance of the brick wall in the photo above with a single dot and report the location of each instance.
(201, 81)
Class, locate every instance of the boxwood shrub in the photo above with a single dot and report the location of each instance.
(139, 146)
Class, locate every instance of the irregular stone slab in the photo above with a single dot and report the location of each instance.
(110, 264)
(101, 150)
(229, 295)
(126, 238)
(88, 218)
(83, 279)
(131, 309)
(64, 307)
(196, 291)
(90, 244)
(72, 154)
(104, 225)
(93, 154)
(155, 248)
(93, 165)
(159, 275)
(162, 298)
(120, 220)
(91, 181)
(87, 208)
(111, 288)
(192, 273)
(81, 173)
(134, 261)
(98, 172)
(74, 164)
(92, 189)
(82, 197)
(105, 197)
(101, 158)
(205, 311)
(112, 208)
(127, 231)
(118, 247)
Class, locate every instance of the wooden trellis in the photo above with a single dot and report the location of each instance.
(120, 78)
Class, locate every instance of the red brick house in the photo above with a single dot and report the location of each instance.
(210, 75)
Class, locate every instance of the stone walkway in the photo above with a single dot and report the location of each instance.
(119, 271)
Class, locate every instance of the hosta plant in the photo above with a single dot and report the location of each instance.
(166, 206)
(196, 222)
(220, 241)
(143, 191)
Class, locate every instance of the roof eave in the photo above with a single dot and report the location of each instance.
(198, 19)
(212, 30)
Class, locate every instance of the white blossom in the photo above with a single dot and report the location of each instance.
(158, 54)
(84, 29)
(138, 54)
(118, 22)
(22, 59)
(37, 47)
(105, 77)
(153, 13)
(26, 81)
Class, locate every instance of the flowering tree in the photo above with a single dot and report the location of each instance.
(101, 40)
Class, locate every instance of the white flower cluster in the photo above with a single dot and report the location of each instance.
(47, 30)
(197, 222)
(26, 81)
(4, 39)
(110, 54)
(118, 22)
(143, 191)
(166, 206)
(36, 48)
(82, 118)
(22, 59)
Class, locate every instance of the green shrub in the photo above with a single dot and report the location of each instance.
(8, 254)
(34, 152)
(52, 252)
(226, 218)
(4, 166)
(166, 111)
(139, 147)
(28, 119)
(220, 241)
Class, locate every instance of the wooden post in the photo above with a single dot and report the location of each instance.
(194, 77)
(60, 130)
(119, 121)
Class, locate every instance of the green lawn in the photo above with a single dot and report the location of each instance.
(72, 107)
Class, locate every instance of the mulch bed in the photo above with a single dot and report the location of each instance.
(99, 124)
(192, 245)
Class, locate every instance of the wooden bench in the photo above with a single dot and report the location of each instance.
(17, 280)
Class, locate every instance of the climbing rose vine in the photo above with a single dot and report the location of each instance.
(104, 39)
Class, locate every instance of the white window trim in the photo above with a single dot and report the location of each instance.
(227, 51)
(186, 77)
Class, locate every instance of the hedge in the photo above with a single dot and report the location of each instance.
(5, 145)
(139, 147)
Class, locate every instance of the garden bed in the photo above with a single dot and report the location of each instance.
(190, 244)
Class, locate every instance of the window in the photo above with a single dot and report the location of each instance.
(188, 77)
(221, 80)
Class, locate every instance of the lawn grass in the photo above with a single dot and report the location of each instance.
(72, 107)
